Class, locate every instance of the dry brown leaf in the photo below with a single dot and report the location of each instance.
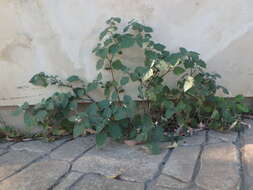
(91, 131)
(131, 142)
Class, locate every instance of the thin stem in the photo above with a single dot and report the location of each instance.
(113, 77)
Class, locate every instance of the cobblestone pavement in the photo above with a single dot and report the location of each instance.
(206, 161)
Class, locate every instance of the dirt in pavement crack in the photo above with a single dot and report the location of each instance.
(239, 144)
(149, 184)
(61, 178)
(34, 161)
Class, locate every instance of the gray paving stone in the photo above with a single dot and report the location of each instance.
(247, 152)
(4, 145)
(219, 137)
(219, 168)
(14, 160)
(114, 159)
(248, 133)
(71, 149)
(38, 176)
(170, 182)
(95, 182)
(180, 167)
(37, 146)
(68, 181)
(2, 151)
(196, 139)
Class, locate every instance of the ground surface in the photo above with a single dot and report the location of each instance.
(206, 161)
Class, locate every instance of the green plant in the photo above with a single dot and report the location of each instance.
(169, 112)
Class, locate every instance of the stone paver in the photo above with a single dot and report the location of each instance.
(219, 168)
(5, 145)
(219, 137)
(14, 160)
(39, 176)
(95, 182)
(71, 149)
(37, 146)
(248, 158)
(115, 159)
(68, 181)
(196, 164)
(194, 140)
(179, 169)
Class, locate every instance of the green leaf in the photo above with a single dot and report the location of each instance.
(79, 92)
(100, 64)
(78, 130)
(154, 148)
(115, 131)
(114, 48)
(188, 84)
(201, 63)
(224, 90)
(215, 115)
(114, 96)
(117, 65)
(102, 52)
(147, 29)
(104, 104)
(126, 41)
(178, 70)
(29, 120)
(73, 78)
(242, 108)
(40, 80)
(101, 139)
(107, 113)
(73, 105)
(120, 114)
(91, 86)
(41, 115)
(17, 112)
(124, 81)
(180, 106)
(169, 113)
(183, 50)
(25, 106)
(103, 34)
(150, 54)
(127, 99)
(159, 47)
(99, 76)
(100, 126)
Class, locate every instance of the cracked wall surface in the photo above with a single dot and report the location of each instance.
(57, 36)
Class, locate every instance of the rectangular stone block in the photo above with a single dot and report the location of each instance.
(14, 160)
(219, 168)
(119, 159)
(179, 169)
(71, 149)
(39, 176)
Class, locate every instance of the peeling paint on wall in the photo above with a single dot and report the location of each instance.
(56, 36)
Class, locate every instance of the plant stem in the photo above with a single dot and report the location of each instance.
(113, 77)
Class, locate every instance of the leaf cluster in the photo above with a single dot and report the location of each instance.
(170, 112)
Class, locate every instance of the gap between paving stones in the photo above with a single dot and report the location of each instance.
(239, 144)
(60, 179)
(150, 183)
(35, 160)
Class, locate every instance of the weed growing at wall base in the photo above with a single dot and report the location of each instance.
(169, 112)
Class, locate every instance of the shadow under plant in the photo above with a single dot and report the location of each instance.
(168, 114)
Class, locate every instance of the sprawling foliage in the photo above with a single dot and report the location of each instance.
(169, 112)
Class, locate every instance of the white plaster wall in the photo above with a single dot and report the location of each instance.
(56, 36)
